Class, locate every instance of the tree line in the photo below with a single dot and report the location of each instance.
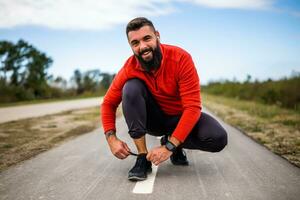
(24, 76)
(283, 92)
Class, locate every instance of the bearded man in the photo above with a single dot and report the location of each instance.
(160, 92)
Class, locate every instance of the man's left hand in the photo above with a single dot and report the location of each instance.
(158, 155)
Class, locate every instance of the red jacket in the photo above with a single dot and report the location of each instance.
(175, 86)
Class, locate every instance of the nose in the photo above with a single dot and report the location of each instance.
(143, 46)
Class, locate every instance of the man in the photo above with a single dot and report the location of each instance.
(160, 93)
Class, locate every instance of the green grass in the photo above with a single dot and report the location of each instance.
(283, 92)
(274, 127)
(270, 112)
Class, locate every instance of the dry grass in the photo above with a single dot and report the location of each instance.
(23, 139)
(278, 129)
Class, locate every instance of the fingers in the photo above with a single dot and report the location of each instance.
(158, 155)
(156, 163)
(148, 157)
(121, 152)
(119, 149)
(126, 147)
(121, 155)
(157, 159)
(153, 157)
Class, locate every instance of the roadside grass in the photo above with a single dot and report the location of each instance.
(23, 139)
(276, 128)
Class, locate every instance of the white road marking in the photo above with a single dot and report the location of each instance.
(146, 186)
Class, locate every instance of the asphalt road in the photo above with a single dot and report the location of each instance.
(36, 110)
(84, 168)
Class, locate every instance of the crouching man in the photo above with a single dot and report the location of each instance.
(160, 93)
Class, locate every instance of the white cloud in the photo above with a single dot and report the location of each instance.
(236, 4)
(99, 14)
(77, 14)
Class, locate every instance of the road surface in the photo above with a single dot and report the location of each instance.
(84, 168)
(36, 110)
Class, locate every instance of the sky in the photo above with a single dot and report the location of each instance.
(228, 39)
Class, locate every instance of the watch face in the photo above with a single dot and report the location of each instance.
(170, 146)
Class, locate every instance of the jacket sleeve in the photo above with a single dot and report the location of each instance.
(189, 91)
(112, 100)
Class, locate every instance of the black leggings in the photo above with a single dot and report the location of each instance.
(143, 115)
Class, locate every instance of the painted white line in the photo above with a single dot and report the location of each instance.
(146, 186)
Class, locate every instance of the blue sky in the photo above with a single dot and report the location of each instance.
(226, 38)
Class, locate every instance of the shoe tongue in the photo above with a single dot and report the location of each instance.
(141, 159)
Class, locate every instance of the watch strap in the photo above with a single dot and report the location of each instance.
(170, 146)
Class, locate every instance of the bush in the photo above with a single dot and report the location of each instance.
(283, 92)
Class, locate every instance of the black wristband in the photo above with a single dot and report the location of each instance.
(170, 146)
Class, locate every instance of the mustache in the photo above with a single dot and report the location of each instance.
(145, 50)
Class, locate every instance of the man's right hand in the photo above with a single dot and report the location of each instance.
(118, 147)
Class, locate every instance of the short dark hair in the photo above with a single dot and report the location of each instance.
(138, 23)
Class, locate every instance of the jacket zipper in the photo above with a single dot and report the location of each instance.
(155, 82)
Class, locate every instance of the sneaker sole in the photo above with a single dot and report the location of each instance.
(137, 178)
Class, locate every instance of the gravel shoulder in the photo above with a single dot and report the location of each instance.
(23, 139)
(276, 128)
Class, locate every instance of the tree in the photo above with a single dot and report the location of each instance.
(37, 77)
(92, 81)
(59, 82)
(26, 65)
(106, 80)
(8, 56)
(77, 78)
(87, 81)
(248, 79)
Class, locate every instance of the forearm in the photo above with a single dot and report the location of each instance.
(108, 117)
(175, 141)
(185, 125)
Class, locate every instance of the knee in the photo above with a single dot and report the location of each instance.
(132, 89)
(221, 141)
(136, 134)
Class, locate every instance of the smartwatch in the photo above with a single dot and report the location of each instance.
(170, 146)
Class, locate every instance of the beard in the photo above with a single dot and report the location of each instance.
(155, 62)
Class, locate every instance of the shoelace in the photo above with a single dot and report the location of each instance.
(133, 154)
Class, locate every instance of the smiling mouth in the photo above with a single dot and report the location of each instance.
(145, 53)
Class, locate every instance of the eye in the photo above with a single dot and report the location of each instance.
(147, 38)
(134, 43)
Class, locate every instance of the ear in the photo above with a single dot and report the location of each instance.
(157, 34)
